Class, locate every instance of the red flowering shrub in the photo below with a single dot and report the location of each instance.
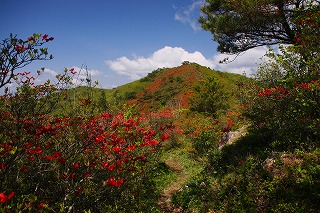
(70, 160)
(284, 105)
(286, 113)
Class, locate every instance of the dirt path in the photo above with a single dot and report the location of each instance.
(164, 202)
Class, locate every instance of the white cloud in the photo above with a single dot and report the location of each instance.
(47, 74)
(165, 57)
(246, 62)
(138, 67)
(85, 71)
(50, 72)
(189, 14)
(80, 78)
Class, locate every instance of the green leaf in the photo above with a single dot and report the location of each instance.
(13, 41)
(31, 54)
(36, 36)
(86, 191)
(32, 198)
(13, 150)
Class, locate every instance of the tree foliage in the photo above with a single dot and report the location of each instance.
(210, 97)
(17, 53)
(241, 25)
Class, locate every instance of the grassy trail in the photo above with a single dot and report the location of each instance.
(184, 168)
(164, 202)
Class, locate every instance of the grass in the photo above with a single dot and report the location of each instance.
(183, 168)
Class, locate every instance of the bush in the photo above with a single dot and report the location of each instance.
(209, 98)
(63, 157)
(288, 113)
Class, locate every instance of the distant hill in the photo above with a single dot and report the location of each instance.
(171, 88)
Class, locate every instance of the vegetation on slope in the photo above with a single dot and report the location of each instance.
(172, 88)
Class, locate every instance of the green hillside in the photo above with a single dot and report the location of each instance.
(171, 88)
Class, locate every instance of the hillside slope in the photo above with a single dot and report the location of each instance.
(171, 88)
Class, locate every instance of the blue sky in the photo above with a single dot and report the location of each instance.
(119, 41)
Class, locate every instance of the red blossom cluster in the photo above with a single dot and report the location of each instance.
(4, 198)
(278, 91)
(20, 48)
(118, 155)
(30, 42)
(305, 85)
(45, 38)
(121, 150)
(104, 148)
(72, 71)
(229, 126)
(165, 136)
(114, 182)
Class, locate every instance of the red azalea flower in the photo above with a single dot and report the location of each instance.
(17, 47)
(45, 37)
(49, 39)
(114, 182)
(31, 158)
(62, 161)
(2, 166)
(78, 191)
(142, 157)
(76, 166)
(24, 168)
(4, 198)
(11, 195)
(105, 115)
(111, 167)
(105, 164)
(72, 176)
(116, 149)
(131, 147)
(165, 136)
(230, 123)
(56, 155)
(40, 206)
(153, 142)
(38, 150)
(99, 138)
